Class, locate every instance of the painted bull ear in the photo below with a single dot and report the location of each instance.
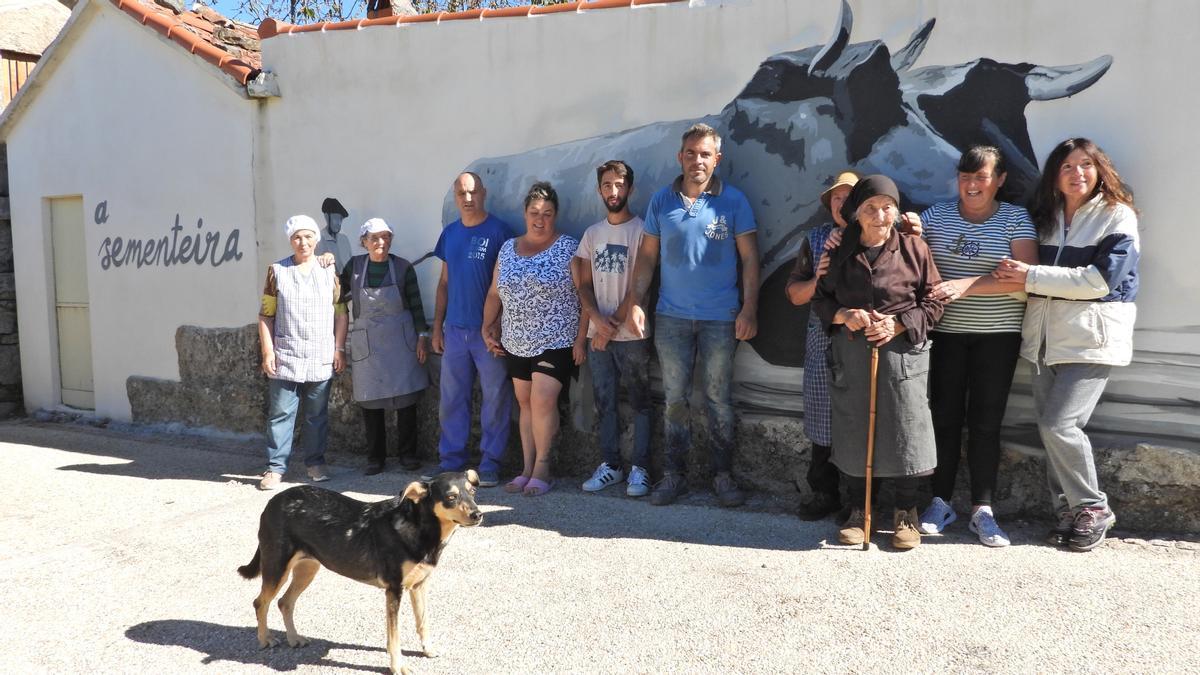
(416, 491)
(1046, 83)
(472, 477)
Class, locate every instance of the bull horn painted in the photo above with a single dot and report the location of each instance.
(908, 55)
(832, 50)
(1046, 83)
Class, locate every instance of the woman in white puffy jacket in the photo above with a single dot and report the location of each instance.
(1078, 322)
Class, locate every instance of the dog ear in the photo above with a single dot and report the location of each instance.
(416, 491)
(472, 477)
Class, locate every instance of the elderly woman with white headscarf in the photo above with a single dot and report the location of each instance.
(302, 331)
(387, 343)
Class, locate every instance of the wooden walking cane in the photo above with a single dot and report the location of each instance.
(870, 449)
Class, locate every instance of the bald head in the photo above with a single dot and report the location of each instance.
(469, 195)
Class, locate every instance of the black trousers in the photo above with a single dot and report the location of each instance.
(822, 475)
(970, 375)
(406, 440)
(906, 491)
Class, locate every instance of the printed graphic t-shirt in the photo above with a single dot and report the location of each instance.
(470, 257)
(964, 249)
(611, 250)
(697, 252)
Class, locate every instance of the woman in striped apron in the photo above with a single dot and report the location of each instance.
(302, 330)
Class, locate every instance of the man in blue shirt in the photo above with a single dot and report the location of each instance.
(700, 229)
(468, 248)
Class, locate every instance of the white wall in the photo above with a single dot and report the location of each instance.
(132, 120)
(383, 118)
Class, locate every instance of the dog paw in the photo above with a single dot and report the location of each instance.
(298, 641)
(268, 643)
(399, 670)
(429, 651)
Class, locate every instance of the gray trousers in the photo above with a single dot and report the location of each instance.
(1064, 396)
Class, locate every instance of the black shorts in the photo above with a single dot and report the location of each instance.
(557, 363)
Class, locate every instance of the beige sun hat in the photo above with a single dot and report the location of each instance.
(844, 178)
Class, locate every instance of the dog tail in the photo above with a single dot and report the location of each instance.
(252, 569)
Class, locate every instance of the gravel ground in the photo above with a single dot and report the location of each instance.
(118, 553)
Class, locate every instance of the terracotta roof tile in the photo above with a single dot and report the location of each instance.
(270, 27)
(231, 46)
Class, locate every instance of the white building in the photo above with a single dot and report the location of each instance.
(124, 134)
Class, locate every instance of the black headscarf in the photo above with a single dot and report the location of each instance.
(869, 186)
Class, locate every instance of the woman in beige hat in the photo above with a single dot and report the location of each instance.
(811, 264)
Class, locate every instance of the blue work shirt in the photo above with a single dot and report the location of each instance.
(697, 252)
(470, 257)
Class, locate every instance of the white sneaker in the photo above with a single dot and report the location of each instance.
(639, 482)
(983, 523)
(936, 517)
(602, 478)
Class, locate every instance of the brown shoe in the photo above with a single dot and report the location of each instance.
(728, 494)
(907, 536)
(852, 532)
(270, 481)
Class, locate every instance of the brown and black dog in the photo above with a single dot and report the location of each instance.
(393, 544)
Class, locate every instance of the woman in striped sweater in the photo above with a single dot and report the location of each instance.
(976, 343)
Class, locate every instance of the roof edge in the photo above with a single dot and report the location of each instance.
(270, 28)
(241, 71)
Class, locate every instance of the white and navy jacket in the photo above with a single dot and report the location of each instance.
(1081, 295)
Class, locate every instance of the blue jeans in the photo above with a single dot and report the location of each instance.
(680, 343)
(622, 363)
(283, 400)
(466, 355)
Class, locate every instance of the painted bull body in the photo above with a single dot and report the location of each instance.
(803, 117)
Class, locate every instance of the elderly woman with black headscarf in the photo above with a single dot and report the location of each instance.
(877, 294)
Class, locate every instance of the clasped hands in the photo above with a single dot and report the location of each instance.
(878, 328)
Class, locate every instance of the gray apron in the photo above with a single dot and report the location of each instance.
(904, 444)
(383, 340)
(303, 322)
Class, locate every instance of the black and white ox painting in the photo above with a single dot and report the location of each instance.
(803, 117)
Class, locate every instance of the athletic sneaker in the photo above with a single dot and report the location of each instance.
(1091, 525)
(638, 484)
(604, 476)
(936, 517)
(1061, 534)
(488, 478)
(984, 524)
(316, 473)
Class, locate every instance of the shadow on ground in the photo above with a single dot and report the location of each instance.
(237, 644)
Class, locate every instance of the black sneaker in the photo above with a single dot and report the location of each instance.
(373, 468)
(1061, 534)
(668, 489)
(819, 505)
(1092, 523)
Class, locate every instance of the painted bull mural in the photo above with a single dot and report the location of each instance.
(803, 117)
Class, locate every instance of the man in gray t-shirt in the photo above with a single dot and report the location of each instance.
(604, 263)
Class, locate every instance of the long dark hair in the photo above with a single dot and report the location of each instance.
(1048, 202)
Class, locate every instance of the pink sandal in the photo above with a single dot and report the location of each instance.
(536, 488)
(516, 485)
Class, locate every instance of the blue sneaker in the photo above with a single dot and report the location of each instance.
(936, 517)
(984, 524)
(489, 478)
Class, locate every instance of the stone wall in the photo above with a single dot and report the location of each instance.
(10, 353)
(1151, 488)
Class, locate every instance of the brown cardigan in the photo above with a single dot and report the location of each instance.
(899, 284)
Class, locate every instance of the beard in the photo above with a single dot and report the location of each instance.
(618, 207)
